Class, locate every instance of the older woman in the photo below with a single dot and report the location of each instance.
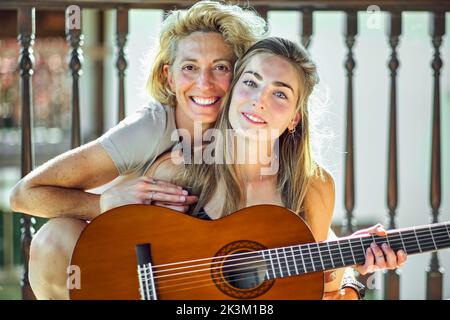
(190, 77)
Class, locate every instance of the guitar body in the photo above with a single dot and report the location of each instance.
(106, 256)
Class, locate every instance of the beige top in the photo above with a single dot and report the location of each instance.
(140, 138)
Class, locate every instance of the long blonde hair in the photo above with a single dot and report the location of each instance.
(240, 29)
(296, 165)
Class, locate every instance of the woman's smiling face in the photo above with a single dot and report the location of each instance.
(201, 75)
(265, 96)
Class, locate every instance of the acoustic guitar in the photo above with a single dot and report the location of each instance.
(260, 252)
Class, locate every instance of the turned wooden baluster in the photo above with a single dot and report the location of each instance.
(98, 76)
(394, 30)
(263, 12)
(351, 30)
(434, 272)
(121, 64)
(76, 40)
(26, 27)
(307, 27)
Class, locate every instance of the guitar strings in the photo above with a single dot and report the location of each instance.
(303, 252)
(306, 264)
(332, 244)
(162, 291)
(393, 235)
(285, 268)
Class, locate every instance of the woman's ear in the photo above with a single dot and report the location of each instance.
(168, 74)
(294, 121)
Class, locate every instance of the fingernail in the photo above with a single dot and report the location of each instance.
(384, 245)
(373, 245)
(182, 198)
(185, 192)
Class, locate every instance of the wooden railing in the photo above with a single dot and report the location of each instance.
(437, 8)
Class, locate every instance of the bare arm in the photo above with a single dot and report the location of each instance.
(319, 203)
(58, 187)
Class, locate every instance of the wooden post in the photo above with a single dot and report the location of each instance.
(26, 30)
(307, 27)
(76, 40)
(121, 63)
(394, 29)
(351, 30)
(434, 272)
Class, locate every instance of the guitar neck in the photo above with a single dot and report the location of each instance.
(322, 256)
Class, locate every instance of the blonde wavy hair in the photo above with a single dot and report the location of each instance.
(240, 29)
(296, 164)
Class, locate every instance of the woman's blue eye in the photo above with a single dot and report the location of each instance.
(249, 83)
(280, 94)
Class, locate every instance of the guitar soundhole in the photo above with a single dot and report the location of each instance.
(239, 270)
(244, 270)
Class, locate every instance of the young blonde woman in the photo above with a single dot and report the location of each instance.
(267, 108)
(197, 51)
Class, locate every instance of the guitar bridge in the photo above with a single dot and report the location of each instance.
(147, 287)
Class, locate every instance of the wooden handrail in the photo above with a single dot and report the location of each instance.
(357, 5)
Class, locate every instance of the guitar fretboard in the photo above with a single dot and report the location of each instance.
(322, 256)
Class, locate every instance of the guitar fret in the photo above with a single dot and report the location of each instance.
(351, 250)
(387, 239)
(347, 253)
(287, 263)
(363, 248)
(271, 263)
(267, 267)
(293, 264)
(426, 239)
(417, 239)
(440, 235)
(307, 258)
(447, 230)
(317, 258)
(358, 250)
(432, 237)
(340, 252)
(295, 260)
(303, 261)
(327, 260)
(320, 255)
(279, 263)
(331, 256)
(411, 242)
(312, 260)
(403, 243)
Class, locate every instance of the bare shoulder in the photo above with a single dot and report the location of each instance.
(319, 203)
(321, 187)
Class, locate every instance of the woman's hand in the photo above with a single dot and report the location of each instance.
(379, 257)
(145, 190)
